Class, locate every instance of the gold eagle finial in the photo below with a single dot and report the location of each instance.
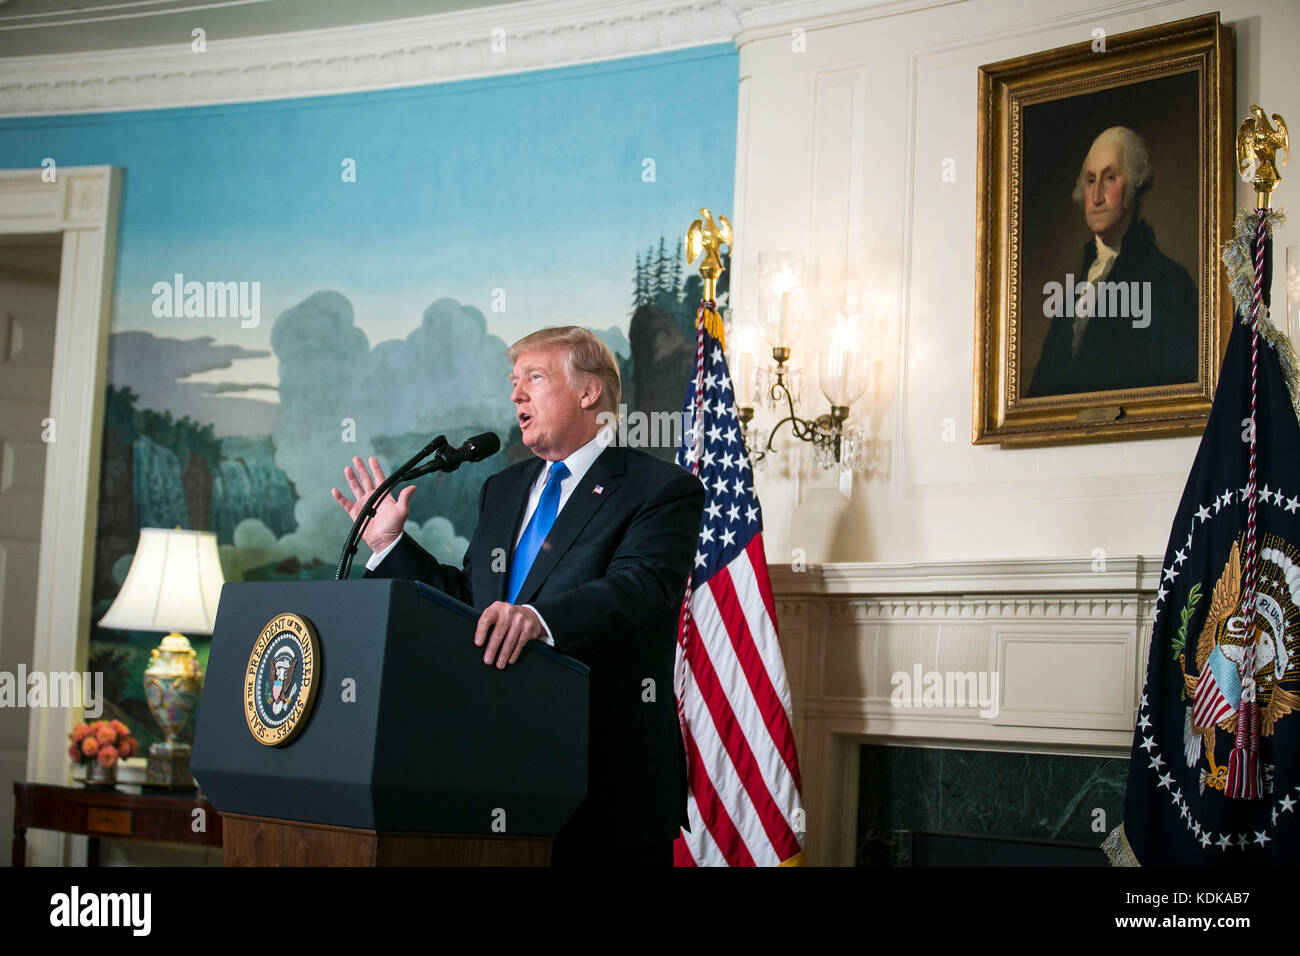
(1257, 147)
(705, 237)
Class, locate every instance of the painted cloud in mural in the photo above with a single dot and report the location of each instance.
(338, 395)
(155, 368)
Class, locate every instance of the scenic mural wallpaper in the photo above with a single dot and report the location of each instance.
(372, 259)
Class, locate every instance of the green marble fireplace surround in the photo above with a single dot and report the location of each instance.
(1014, 807)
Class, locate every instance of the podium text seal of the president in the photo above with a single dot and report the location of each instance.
(280, 682)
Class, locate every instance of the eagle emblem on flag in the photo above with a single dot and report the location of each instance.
(1215, 679)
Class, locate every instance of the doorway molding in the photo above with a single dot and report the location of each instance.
(81, 205)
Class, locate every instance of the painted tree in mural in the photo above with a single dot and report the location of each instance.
(658, 283)
(662, 330)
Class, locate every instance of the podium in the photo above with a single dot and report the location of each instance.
(409, 750)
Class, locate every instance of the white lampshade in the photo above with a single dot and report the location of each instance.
(173, 585)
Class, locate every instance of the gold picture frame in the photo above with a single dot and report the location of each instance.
(1044, 372)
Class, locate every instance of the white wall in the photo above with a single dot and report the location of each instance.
(840, 152)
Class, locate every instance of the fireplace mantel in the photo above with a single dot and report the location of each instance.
(1058, 645)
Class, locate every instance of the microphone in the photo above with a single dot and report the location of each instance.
(444, 458)
(475, 449)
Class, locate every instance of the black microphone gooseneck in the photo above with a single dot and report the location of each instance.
(372, 503)
(449, 459)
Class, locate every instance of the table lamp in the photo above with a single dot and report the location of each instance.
(173, 585)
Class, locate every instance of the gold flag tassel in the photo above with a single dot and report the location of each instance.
(707, 317)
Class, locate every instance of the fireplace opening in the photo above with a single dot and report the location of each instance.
(929, 806)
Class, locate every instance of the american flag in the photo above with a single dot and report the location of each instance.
(1211, 705)
(732, 694)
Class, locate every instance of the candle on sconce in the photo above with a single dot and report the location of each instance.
(843, 362)
(744, 341)
(781, 297)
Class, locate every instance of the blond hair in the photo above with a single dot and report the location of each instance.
(585, 355)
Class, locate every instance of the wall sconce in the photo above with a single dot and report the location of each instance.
(842, 367)
(842, 375)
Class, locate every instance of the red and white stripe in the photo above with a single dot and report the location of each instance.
(744, 771)
(1211, 706)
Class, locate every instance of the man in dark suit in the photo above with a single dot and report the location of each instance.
(586, 547)
(1152, 338)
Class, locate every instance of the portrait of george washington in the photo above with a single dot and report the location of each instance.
(1110, 299)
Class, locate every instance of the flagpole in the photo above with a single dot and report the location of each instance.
(704, 240)
(1257, 146)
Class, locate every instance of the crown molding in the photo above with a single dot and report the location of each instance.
(437, 48)
(538, 34)
(762, 19)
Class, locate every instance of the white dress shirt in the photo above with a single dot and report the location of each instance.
(578, 464)
(1097, 272)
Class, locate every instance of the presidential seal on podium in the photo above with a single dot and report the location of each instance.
(280, 681)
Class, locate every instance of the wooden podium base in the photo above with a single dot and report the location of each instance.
(261, 841)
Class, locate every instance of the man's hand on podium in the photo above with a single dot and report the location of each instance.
(506, 628)
(390, 516)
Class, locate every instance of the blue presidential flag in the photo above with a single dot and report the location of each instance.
(1214, 779)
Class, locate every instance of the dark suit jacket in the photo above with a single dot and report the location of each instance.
(609, 582)
(1113, 354)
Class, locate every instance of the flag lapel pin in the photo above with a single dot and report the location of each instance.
(598, 490)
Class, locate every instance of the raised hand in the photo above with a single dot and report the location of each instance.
(386, 526)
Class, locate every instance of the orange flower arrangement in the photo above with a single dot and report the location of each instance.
(106, 741)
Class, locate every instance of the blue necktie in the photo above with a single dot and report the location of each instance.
(539, 525)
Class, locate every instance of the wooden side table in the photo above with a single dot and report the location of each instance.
(125, 813)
